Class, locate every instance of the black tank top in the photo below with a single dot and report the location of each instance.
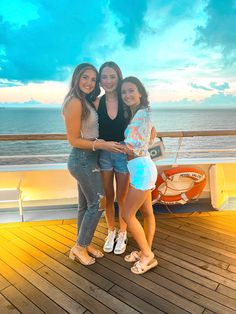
(111, 130)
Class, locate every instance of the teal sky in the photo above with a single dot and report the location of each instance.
(183, 51)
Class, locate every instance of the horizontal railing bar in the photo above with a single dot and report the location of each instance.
(226, 150)
(62, 136)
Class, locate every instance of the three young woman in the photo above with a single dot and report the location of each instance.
(143, 175)
(82, 132)
(112, 125)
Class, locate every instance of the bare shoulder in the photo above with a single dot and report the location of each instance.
(74, 105)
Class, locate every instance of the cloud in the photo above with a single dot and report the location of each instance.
(130, 19)
(6, 83)
(211, 86)
(220, 87)
(63, 34)
(200, 87)
(216, 101)
(219, 30)
(51, 37)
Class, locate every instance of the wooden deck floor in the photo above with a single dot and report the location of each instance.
(196, 271)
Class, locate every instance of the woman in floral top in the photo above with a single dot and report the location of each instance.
(143, 174)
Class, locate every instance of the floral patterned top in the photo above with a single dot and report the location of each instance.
(137, 133)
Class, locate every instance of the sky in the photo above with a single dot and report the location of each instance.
(183, 51)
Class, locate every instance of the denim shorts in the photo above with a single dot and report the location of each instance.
(109, 161)
(143, 173)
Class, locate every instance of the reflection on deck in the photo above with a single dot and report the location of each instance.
(196, 272)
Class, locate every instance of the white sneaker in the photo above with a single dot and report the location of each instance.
(121, 243)
(110, 241)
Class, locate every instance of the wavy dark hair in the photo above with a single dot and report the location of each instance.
(76, 92)
(144, 102)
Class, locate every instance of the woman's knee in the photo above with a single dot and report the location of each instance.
(126, 215)
(98, 205)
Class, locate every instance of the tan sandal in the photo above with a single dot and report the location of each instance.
(132, 257)
(95, 253)
(75, 256)
(141, 268)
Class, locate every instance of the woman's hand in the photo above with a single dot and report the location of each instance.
(153, 135)
(128, 149)
(111, 146)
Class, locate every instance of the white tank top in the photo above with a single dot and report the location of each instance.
(89, 126)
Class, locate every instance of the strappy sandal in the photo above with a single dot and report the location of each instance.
(75, 256)
(132, 257)
(96, 253)
(141, 268)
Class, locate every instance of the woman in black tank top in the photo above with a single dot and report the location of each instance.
(112, 124)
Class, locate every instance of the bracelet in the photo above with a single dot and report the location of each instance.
(96, 139)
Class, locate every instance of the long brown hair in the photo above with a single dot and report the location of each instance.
(75, 91)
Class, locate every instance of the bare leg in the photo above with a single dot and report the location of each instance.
(122, 185)
(148, 219)
(134, 201)
(108, 177)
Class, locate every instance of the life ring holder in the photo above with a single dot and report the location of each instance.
(196, 174)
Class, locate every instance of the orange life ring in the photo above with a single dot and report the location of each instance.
(197, 176)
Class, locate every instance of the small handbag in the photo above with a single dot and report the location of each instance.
(157, 150)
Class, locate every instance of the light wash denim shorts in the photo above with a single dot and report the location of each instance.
(143, 173)
(109, 161)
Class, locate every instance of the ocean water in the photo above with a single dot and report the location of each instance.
(49, 120)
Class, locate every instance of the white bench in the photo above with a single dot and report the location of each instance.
(12, 195)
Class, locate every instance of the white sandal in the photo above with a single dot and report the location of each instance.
(141, 268)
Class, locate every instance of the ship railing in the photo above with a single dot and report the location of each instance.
(175, 154)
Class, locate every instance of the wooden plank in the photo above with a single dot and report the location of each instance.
(160, 291)
(196, 295)
(105, 267)
(201, 238)
(202, 272)
(215, 235)
(219, 223)
(52, 292)
(6, 307)
(11, 225)
(197, 262)
(21, 255)
(52, 258)
(232, 269)
(208, 312)
(215, 296)
(3, 283)
(198, 298)
(30, 291)
(132, 300)
(54, 235)
(210, 245)
(201, 224)
(227, 291)
(22, 303)
(74, 291)
(63, 232)
(193, 252)
(201, 249)
(74, 278)
(53, 243)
